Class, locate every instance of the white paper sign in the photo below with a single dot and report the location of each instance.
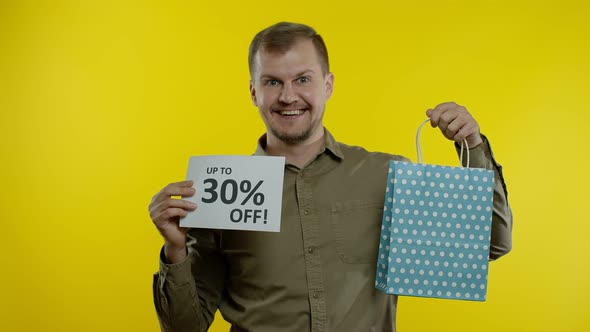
(236, 192)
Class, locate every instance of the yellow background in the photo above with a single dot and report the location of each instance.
(102, 103)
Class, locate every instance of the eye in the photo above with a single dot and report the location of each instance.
(272, 82)
(303, 80)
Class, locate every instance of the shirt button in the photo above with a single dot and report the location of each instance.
(306, 212)
(310, 250)
(316, 295)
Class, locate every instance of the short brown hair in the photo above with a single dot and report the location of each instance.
(281, 36)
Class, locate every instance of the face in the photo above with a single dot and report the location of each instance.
(290, 91)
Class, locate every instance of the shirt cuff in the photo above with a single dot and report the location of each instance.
(177, 274)
(480, 156)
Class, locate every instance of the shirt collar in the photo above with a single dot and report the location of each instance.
(330, 144)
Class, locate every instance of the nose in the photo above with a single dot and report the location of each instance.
(288, 94)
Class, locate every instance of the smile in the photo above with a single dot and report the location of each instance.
(291, 112)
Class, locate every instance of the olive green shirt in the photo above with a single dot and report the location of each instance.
(318, 273)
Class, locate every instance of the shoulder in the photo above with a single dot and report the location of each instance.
(358, 153)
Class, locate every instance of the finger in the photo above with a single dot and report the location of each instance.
(446, 106)
(171, 203)
(434, 116)
(456, 124)
(183, 188)
(470, 133)
(169, 215)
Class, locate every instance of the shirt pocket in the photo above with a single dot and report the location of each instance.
(356, 225)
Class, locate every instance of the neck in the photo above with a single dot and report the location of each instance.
(296, 154)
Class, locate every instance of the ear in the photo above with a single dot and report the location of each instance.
(253, 93)
(329, 79)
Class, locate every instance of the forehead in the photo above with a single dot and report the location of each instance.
(301, 56)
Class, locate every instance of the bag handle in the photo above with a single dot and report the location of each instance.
(420, 158)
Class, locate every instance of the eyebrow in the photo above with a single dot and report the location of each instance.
(307, 71)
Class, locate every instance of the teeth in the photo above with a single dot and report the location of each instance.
(291, 112)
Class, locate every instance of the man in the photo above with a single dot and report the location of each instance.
(318, 272)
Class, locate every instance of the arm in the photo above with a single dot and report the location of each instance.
(457, 124)
(482, 157)
(187, 294)
(188, 287)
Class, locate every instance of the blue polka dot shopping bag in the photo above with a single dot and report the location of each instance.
(435, 233)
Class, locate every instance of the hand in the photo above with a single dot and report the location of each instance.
(455, 123)
(165, 213)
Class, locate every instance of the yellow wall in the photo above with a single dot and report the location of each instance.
(102, 103)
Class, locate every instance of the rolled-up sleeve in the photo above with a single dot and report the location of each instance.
(501, 238)
(187, 294)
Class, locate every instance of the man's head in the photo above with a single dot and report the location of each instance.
(290, 81)
(281, 36)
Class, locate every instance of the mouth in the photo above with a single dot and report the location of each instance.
(295, 112)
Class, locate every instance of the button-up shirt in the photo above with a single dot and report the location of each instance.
(318, 273)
